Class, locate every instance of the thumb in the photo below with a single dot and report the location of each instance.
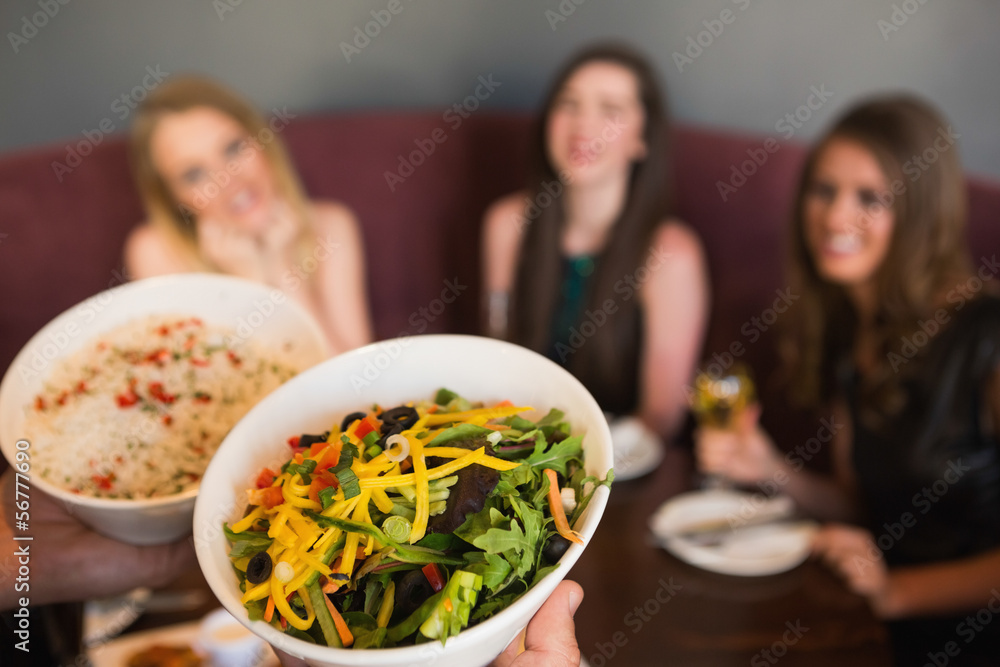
(551, 635)
(748, 419)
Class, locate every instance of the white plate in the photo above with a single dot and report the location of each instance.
(116, 653)
(638, 451)
(749, 548)
(107, 618)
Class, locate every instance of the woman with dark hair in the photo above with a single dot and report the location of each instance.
(889, 336)
(586, 266)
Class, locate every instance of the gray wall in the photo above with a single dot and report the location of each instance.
(67, 75)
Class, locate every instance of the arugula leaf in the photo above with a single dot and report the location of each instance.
(558, 455)
(553, 418)
(444, 396)
(519, 545)
(246, 543)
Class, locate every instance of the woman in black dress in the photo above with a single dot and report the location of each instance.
(899, 334)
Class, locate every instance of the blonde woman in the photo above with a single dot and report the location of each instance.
(221, 195)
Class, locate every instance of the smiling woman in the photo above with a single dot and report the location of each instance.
(221, 195)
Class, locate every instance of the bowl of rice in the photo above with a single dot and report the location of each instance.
(117, 405)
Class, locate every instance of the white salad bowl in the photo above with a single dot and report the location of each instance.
(391, 373)
(251, 309)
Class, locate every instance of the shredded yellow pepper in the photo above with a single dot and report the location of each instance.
(420, 481)
(439, 418)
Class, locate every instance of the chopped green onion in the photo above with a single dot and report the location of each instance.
(349, 483)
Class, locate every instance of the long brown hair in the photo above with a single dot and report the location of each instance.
(181, 93)
(538, 280)
(927, 253)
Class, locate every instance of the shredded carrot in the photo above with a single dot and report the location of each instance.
(345, 632)
(269, 610)
(556, 508)
(447, 605)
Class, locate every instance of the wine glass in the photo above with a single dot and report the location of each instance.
(718, 400)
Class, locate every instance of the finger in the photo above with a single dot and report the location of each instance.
(510, 653)
(748, 419)
(550, 638)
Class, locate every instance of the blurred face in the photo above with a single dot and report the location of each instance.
(595, 127)
(848, 216)
(213, 168)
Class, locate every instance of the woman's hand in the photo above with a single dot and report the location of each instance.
(744, 453)
(851, 553)
(231, 249)
(550, 638)
(70, 562)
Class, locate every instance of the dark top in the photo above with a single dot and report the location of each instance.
(573, 325)
(930, 475)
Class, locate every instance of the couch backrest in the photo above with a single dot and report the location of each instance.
(61, 237)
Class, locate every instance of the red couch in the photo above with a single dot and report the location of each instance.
(61, 240)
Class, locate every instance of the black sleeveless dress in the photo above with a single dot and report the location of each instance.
(930, 478)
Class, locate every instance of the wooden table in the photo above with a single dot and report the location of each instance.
(645, 607)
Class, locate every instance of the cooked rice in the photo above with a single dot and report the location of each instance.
(140, 411)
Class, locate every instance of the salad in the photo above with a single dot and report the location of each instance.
(407, 525)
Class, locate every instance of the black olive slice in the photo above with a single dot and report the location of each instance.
(395, 430)
(259, 568)
(350, 419)
(402, 416)
(306, 440)
(411, 591)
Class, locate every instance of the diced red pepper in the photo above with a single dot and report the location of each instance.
(434, 578)
(39, 403)
(127, 399)
(103, 481)
(167, 420)
(267, 498)
(198, 361)
(236, 361)
(202, 397)
(367, 425)
(158, 356)
(331, 456)
(81, 387)
(163, 330)
(265, 478)
(62, 398)
(156, 391)
(294, 441)
(321, 481)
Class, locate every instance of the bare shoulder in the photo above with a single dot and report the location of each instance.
(504, 218)
(333, 217)
(148, 253)
(679, 242)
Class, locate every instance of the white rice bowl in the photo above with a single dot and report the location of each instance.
(79, 436)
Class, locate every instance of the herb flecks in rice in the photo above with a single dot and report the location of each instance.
(139, 412)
